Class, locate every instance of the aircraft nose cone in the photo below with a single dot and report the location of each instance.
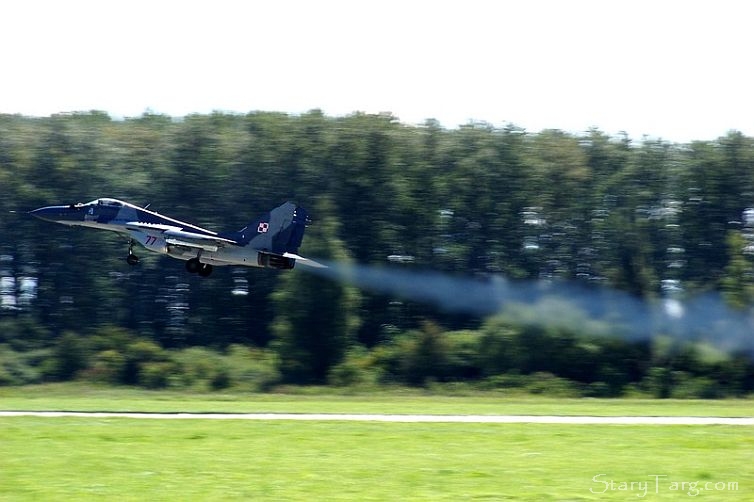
(52, 213)
(44, 213)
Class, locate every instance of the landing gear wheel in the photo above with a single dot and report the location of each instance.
(131, 259)
(193, 266)
(205, 270)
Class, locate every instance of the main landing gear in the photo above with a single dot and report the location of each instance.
(194, 266)
(131, 259)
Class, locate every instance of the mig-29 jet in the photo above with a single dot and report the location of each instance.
(271, 241)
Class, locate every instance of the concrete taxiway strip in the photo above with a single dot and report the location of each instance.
(476, 419)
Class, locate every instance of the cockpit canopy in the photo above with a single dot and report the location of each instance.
(108, 202)
(99, 202)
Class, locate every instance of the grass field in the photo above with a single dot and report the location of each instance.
(77, 397)
(122, 459)
(128, 459)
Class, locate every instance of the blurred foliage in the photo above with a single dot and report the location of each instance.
(654, 219)
(316, 319)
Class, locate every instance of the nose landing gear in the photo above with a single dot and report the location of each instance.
(131, 259)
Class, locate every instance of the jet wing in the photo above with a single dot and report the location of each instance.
(176, 236)
(155, 229)
(192, 244)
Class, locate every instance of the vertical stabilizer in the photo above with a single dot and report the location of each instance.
(278, 231)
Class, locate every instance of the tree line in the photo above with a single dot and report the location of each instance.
(653, 219)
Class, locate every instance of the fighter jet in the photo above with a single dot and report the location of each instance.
(271, 241)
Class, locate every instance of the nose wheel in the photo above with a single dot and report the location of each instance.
(131, 259)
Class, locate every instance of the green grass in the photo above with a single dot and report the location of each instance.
(125, 459)
(79, 397)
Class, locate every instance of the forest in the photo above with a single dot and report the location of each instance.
(656, 221)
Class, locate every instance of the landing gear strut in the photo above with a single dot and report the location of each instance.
(131, 259)
(194, 266)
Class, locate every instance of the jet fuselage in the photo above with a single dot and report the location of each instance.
(271, 241)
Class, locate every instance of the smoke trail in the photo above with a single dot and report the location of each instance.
(562, 304)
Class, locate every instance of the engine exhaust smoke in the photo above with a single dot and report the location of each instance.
(583, 309)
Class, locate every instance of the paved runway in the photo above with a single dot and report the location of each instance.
(476, 419)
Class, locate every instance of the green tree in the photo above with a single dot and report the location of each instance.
(69, 357)
(316, 318)
(428, 355)
(738, 282)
